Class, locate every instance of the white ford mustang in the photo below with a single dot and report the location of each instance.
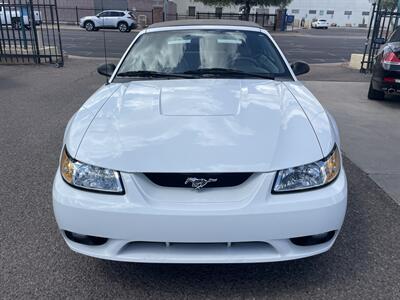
(202, 148)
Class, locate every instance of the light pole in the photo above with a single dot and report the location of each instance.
(165, 9)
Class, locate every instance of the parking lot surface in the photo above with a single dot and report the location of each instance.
(311, 46)
(36, 263)
(369, 129)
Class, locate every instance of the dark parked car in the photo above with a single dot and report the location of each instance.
(386, 71)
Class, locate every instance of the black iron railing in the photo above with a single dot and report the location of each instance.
(72, 16)
(30, 32)
(265, 20)
(383, 22)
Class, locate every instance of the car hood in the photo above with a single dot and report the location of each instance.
(202, 125)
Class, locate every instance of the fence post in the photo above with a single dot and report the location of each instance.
(197, 16)
(32, 17)
(152, 16)
(176, 16)
(60, 62)
(256, 17)
(77, 16)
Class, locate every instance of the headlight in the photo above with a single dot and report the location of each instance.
(309, 176)
(89, 177)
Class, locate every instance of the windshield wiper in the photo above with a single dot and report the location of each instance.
(233, 72)
(152, 74)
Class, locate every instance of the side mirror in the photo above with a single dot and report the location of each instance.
(380, 41)
(106, 69)
(300, 68)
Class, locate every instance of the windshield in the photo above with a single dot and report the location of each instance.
(203, 52)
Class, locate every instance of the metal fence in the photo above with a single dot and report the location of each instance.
(383, 22)
(72, 15)
(265, 20)
(30, 32)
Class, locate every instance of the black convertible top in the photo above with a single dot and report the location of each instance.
(205, 22)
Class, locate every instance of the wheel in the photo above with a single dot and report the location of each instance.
(375, 94)
(89, 26)
(123, 27)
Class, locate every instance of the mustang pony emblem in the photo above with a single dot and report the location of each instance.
(199, 183)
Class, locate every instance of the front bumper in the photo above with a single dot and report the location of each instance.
(173, 225)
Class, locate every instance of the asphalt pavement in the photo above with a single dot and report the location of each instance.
(312, 45)
(369, 129)
(36, 263)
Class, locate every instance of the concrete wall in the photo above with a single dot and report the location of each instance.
(183, 7)
(110, 4)
(68, 12)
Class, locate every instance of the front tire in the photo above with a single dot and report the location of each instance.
(89, 26)
(123, 27)
(375, 94)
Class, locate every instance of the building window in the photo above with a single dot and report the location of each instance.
(218, 12)
(365, 13)
(312, 12)
(348, 13)
(192, 11)
(321, 12)
(295, 11)
(330, 12)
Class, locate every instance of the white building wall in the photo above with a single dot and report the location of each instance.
(301, 9)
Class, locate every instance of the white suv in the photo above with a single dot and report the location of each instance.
(124, 21)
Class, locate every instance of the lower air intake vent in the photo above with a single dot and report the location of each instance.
(187, 180)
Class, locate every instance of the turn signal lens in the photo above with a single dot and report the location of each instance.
(67, 167)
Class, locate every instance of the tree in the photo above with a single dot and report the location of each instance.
(246, 5)
(389, 4)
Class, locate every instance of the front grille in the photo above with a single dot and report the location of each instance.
(179, 179)
(197, 247)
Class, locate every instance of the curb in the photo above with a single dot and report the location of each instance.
(77, 28)
(69, 56)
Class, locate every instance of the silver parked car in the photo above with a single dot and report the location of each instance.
(124, 21)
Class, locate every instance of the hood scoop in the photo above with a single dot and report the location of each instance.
(217, 98)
